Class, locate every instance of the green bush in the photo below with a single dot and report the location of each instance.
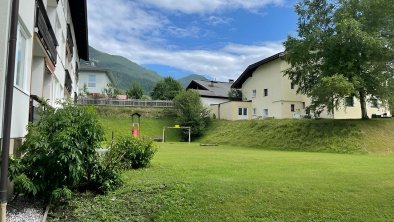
(191, 112)
(131, 153)
(59, 154)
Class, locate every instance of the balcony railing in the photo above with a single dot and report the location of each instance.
(68, 83)
(45, 31)
(70, 42)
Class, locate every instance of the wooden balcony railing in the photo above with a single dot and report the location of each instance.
(68, 83)
(45, 31)
(70, 42)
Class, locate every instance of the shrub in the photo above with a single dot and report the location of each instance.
(191, 112)
(131, 153)
(59, 153)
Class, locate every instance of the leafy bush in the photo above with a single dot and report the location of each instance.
(59, 153)
(191, 112)
(131, 153)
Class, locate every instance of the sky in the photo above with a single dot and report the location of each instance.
(214, 38)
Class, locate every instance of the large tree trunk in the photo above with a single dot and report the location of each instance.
(363, 103)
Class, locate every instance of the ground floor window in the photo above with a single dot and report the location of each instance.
(292, 107)
(265, 112)
(374, 103)
(349, 101)
(242, 111)
(254, 111)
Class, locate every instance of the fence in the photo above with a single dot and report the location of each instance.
(126, 102)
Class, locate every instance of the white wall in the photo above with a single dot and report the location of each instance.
(37, 73)
(101, 81)
(4, 23)
(207, 101)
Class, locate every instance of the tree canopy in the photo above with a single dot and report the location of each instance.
(166, 89)
(343, 48)
(191, 112)
(135, 91)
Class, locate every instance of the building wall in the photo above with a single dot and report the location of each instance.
(281, 96)
(102, 81)
(229, 110)
(207, 101)
(4, 23)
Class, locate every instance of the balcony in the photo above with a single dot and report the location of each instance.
(68, 83)
(45, 31)
(70, 43)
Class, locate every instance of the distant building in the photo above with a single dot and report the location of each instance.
(52, 38)
(211, 92)
(96, 79)
(268, 94)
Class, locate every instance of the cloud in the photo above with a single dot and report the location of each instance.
(215, 20)
(129, 29)
(208, 6)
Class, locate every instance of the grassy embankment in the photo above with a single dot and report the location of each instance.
(226, 183)
(343, 136)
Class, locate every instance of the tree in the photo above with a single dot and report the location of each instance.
(235, 94)
(166, 89)
(191, 112)
(346, 40)
(135, 91)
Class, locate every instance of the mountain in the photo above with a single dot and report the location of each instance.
(125, 71)
(187, 79)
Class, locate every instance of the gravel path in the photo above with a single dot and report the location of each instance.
(25, 210)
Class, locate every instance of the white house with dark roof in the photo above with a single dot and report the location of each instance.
(267, 93)
(95, 78)
(211, 92)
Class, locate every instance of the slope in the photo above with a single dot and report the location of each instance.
(187, 79)
(124, 70)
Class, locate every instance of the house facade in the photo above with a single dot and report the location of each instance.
(268, 94)
(52, 37)
(94, 78)
(211, 92)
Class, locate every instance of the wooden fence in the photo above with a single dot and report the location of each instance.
(126, 102)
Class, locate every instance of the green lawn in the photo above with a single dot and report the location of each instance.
(151, 127)
(225, 183)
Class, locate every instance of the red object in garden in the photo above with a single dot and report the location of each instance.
(135, 126)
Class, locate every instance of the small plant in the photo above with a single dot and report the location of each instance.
(131, 153)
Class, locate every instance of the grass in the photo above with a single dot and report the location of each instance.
(151, 127)
(338, 136)
(227, 183)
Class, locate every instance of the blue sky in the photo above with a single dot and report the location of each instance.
(215, 38)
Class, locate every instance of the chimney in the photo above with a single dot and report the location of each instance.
(231, 81)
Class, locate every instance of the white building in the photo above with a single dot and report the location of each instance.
(52, 37)
(96, 79)
(267, 93)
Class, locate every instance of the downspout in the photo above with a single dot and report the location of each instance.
(9, 93)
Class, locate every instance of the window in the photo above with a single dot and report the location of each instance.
(21, 60)
(253, 93)
(292, 107)
(254, 111)
(265, 112)
(292, 85)
(239, 111)
(374, 103)
(303, 105)
(245, 111)
(265, 92)
(242, 111)
(92, 81)
(349, 101)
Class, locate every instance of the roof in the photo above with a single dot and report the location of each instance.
(251, 68)
(212, 89)
(85, 67)
(79, 14)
